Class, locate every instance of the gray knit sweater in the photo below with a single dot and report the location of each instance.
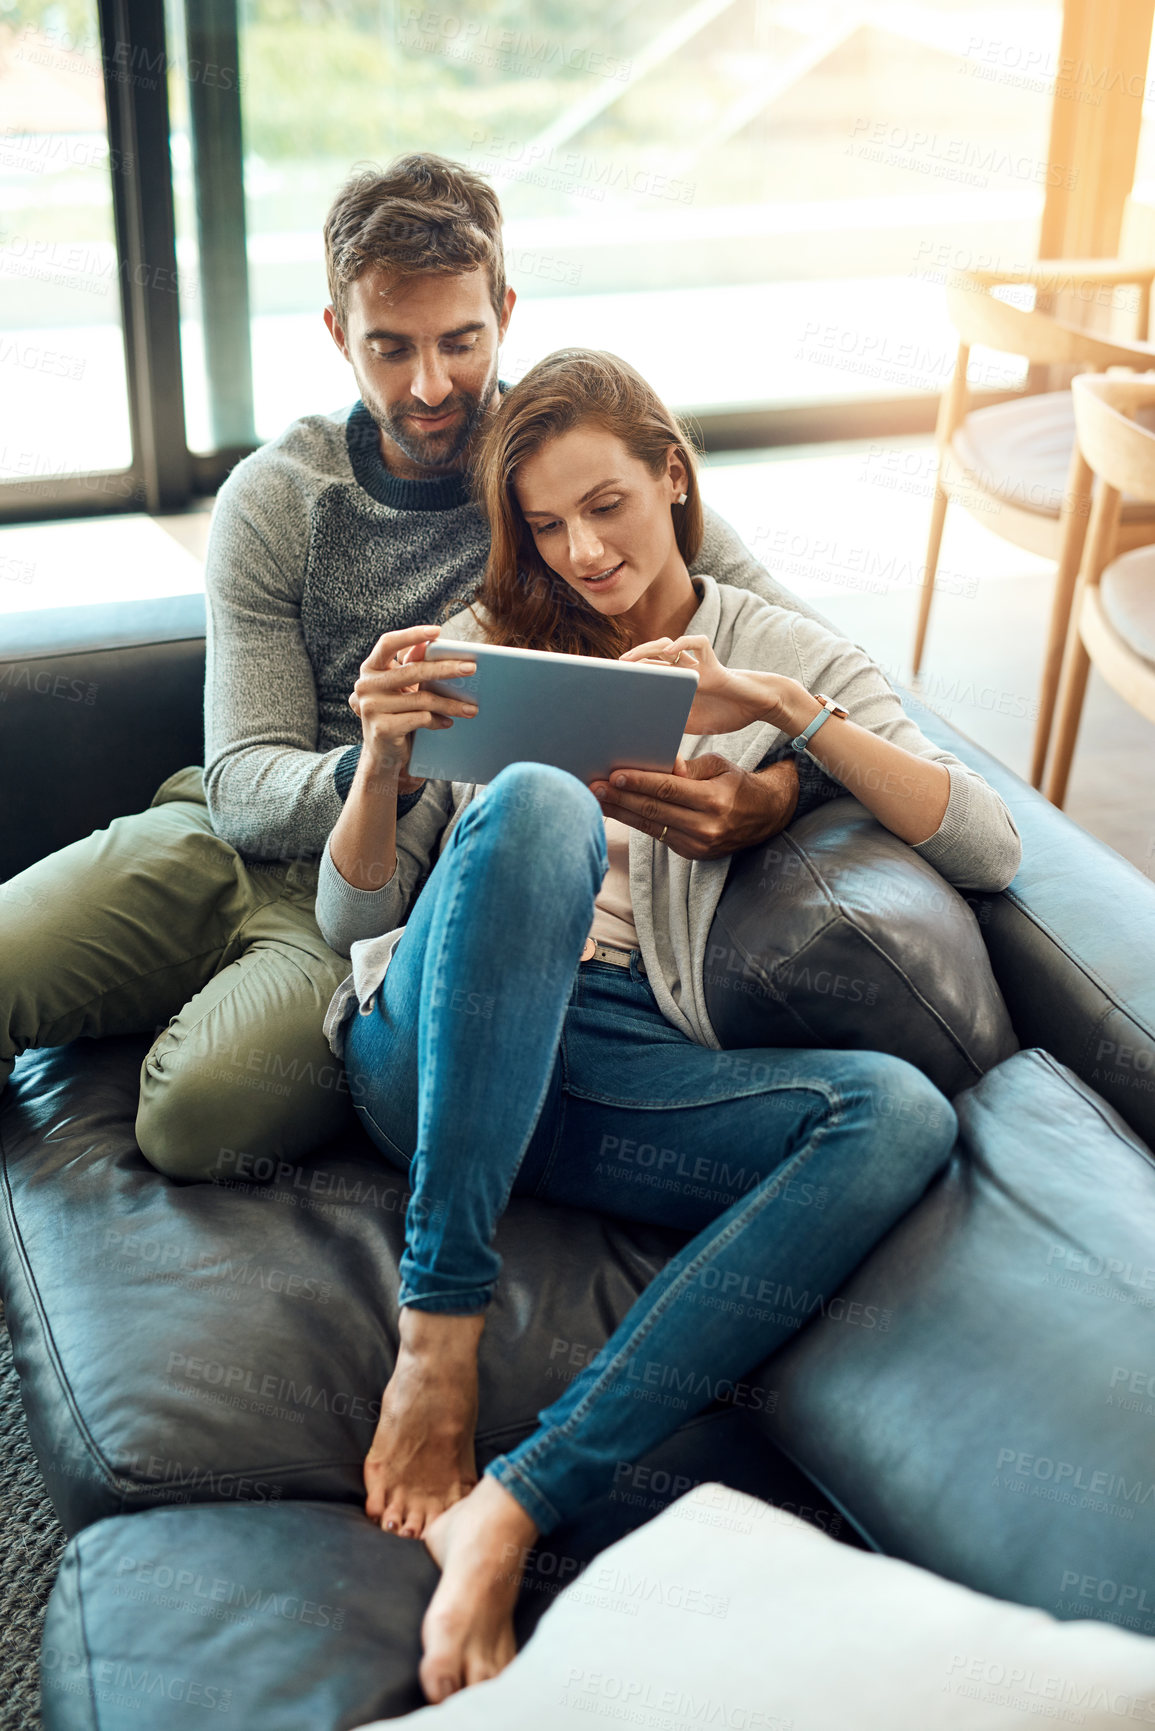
(315, 550)
(976, 846)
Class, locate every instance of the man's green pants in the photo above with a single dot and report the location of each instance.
(155, 925)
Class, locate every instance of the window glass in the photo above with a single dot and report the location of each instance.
(62, 379)
(755, 201)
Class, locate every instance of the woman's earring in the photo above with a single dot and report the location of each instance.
(681, 498)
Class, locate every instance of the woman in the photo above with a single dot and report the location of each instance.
(495, 1053)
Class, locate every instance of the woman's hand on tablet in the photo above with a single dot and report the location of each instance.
(728, 698)
(391, 698)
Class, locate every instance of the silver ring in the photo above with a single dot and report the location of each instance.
(665, 827)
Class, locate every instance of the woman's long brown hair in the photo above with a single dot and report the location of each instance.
(526, 604)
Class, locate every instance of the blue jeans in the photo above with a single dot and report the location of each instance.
(490, 1063)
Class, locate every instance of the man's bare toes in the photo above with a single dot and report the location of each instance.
(480, 1666)
(438, 1681)
(442, 1668)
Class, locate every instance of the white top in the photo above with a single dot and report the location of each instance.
(613, 909)
(976, 846)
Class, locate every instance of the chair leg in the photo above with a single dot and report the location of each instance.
(934, 544)
(1073, 690)
(1073, 531)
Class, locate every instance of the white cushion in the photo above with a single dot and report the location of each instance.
(1127, 593)
(726, 1614)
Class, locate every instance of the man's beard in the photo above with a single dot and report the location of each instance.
(436, 450)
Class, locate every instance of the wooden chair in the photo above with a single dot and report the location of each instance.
(1113, 614)
(1011, 464)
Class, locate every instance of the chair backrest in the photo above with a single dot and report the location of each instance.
(1118, 449)
(979, 317)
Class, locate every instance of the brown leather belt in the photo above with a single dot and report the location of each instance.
(594, 952)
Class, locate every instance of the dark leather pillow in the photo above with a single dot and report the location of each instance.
(837, 934)
(979, 1399)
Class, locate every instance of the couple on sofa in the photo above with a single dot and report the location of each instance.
(527, 958)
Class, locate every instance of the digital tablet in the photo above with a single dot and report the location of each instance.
(576, 712)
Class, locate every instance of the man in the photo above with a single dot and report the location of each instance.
(195, 917)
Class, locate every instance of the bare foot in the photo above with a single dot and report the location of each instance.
(421, 1460)
(467, 1632)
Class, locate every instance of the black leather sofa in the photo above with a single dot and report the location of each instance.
(200, 1363)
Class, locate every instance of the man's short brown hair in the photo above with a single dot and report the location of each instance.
(422, 214)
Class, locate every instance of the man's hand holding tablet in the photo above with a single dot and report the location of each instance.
(708, 808)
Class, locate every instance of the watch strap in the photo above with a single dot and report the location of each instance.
(802, 740)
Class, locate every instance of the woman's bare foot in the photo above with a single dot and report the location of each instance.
(421, 1460)
(467, 1632)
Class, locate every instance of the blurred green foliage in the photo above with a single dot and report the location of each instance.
(73, 20)
(350, 79)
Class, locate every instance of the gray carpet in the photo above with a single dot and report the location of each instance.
(31, 1541)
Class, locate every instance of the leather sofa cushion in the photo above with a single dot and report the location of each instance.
(1000, 1428)
(835, 933)
(1070, 940)
(306, 1615)
(229, 1342)
(127, 679)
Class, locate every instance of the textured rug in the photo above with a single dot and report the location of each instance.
(31, 1541)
